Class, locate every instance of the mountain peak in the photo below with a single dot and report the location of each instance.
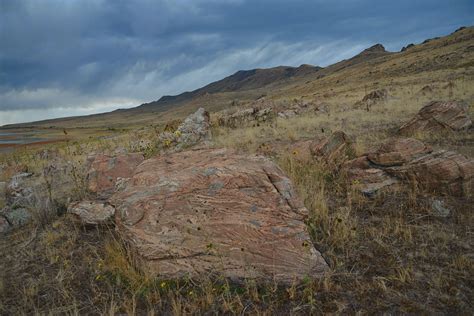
(377, 48)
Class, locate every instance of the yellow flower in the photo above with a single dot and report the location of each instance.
(177, 133)
(163, 284)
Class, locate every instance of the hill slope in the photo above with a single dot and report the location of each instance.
(372, 68)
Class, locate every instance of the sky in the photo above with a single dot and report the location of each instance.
(74, 57)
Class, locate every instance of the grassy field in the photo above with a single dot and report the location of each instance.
(389, 254)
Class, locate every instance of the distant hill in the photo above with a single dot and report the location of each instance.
(372, 66)
(240, 81)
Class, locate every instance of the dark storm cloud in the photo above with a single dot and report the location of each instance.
(95, 55)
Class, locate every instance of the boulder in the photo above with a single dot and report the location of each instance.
(194, 129)
(287, 114)
(334, 149)
(372, 98)
(439, 115)
(209, 211)
(92, 212)
(4, 224)
(398, 151)
(439, 209)
(376, 95)
(17, 217)
(444, 172)
(242, 117)
(411, 161)
(65, 181)
(366, 178)
(104, 170)
(19, 191)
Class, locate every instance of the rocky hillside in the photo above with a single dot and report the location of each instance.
(343, 190)
(374, 67)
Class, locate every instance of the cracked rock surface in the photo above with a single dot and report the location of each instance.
(207, 211)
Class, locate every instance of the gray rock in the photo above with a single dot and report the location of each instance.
(18, 217)
(92, 212)
(194, 129)
(439, 209)
(4, 225)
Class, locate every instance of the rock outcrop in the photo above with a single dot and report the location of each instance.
(398, 151)
(334, 149)
(92, 212)
(104, 170)
(444, 172)
(194, 129)
(372, 98)
(206, 211)
(411, 161)
(246, 116)
(4, 224)
(439, 115)
(19, 191)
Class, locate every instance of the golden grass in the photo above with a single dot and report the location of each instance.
(390, 254)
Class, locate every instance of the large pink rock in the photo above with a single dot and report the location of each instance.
(207, 211)
(105, 170)
(439, 115)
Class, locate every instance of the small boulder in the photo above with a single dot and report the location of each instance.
(203, 211)
(334, 149)
(255, 114)
(287, 114)
(92, 212)
(4, 224)
(398, 151)
(104, 170)
(439, 115)
(374, 97)
(367, 178)
(439, 209)
(17, 217)
(194, 129)
(19, 191)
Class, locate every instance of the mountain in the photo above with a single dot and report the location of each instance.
(242, 80)
(441, 58)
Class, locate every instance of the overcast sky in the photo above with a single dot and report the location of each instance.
(72, 57)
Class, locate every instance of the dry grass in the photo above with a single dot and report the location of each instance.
(391, 254)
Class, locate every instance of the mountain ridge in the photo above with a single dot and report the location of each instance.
(285, 81)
